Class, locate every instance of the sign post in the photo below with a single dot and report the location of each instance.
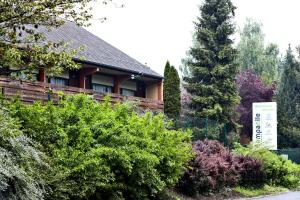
(265, 124)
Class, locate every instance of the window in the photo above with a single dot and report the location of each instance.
(102, 88)
(59, 81)
(127, 92)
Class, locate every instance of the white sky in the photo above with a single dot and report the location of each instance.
(154, 31)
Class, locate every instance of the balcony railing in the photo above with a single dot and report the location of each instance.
(30, 92)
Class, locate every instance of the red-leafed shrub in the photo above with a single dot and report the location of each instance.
(213, 168)
(251, 89)
(251, 171)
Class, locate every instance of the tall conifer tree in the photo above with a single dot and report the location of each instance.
(288, 100)
(212, 72)
(171, 92)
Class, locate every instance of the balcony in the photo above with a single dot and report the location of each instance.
(30, 92)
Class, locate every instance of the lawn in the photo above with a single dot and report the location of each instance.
(265, 190)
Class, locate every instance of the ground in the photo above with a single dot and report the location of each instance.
(285, 196)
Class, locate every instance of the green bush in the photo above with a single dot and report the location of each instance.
(20, 163)
(100, 151)
(278, 170)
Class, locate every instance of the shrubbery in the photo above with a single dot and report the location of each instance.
(250, 171)
(21, 163)
(100, 151)
(278, 170)
(213, 168)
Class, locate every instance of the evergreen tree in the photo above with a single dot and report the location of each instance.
(171, 92)
(288, 100)
(211, 80)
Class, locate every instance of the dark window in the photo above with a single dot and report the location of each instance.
(127, 92)
(74, 78)
(102, 88)
(59, 81)
(141, 89)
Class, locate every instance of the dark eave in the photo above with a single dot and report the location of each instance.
(94, 64)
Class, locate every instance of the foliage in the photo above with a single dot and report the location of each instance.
(171, 92)
(213, 168)
(100, 151)
(252, 53)
(208, 129)
(209, 73)
(210, 63)
(265, 190)
(251, 89)
(22, 27)
(251, 171)
(201, 128)
(288, 99)
(278, 170)
(20, 163)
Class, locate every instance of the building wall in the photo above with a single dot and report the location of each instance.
(162, 90)
(152, 91)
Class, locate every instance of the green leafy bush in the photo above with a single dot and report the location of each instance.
(278, 170)
(100, 151)
(20, 163)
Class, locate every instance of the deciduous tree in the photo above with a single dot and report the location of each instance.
(254, 54)
(251, 89)
(22, 25)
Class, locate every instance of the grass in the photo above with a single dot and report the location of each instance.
(254, 192)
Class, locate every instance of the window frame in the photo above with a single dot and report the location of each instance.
(62, 78)
(106, 88)
(122, 89)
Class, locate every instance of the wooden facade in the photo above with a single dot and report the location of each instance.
(30, 92)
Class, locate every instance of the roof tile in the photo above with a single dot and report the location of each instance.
(97, 50)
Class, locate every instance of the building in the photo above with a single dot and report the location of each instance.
(104, 70)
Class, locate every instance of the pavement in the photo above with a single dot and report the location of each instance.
(284, 196)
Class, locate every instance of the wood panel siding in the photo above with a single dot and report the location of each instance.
(30, 92)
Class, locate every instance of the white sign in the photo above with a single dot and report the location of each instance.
(265, 124)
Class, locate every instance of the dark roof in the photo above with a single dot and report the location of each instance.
(97, 51)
